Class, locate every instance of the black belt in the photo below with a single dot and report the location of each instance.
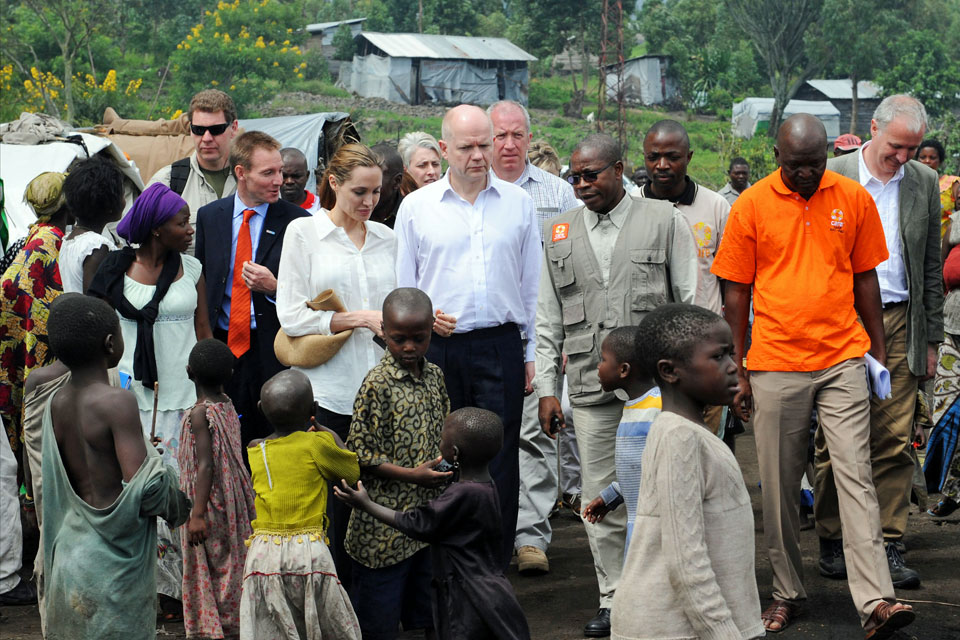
(893, 305)
(480, 334)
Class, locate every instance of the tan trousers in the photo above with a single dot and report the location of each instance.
(783, 402)
(891, 431)
(597, 440)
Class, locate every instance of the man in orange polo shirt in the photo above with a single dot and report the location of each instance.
(807, 241)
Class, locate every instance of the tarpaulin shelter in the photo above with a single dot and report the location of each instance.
(645, 80)
(752, 116)
(21, 163)
(417, 68)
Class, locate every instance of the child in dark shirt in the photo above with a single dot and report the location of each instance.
(472, 598)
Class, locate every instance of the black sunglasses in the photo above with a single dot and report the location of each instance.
(588, 176)
(214, 129)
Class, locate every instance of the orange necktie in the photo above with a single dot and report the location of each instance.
(238, 333)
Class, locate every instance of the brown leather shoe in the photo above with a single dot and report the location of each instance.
(887, 618)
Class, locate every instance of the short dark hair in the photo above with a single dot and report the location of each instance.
(669, 126)
(408, 300)
(934, 144)
(94, 190)
(624, 344)
(671, 331)
(211, 101)
(479, 433)
(77, 327)
(211, 362)
(606, 147)
(738, 160)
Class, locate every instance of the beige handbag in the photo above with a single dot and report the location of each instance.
(313, 350)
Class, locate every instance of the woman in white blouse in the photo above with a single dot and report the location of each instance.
(340, 248)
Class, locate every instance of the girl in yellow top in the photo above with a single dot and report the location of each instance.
(290, 585)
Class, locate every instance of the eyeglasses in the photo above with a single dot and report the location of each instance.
(214, 129)
(588, 176)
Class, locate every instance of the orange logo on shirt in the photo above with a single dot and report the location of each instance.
(702, 234)
(836, 220)
(560, 231)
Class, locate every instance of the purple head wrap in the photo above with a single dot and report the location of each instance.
(157, 204)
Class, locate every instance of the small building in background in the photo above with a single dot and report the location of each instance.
(645, 80)
(321, 34)
(839, 93)
(752, 116)
(418, 68)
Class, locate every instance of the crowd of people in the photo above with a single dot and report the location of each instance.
(276, 413)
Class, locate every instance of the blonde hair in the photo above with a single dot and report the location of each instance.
(241, 152)
(542, 155)
(415, 140)
(344, 161)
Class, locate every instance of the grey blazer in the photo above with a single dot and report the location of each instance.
(920, 241)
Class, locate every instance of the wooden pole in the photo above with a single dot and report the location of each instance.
(153, 425)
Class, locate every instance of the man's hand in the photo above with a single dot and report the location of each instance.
(196, 530)
(356, 498)
(919, 436)
(530, 370)
(444, 324)
(596, 510)
(743, 401)
(931, 362)
(550, 409)
(425, 476)
(258, 278)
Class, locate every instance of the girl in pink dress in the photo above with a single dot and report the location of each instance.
(213, 475)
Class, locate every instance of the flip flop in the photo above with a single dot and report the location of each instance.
(945, 507)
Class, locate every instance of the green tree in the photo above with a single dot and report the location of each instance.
(782, 34)
(924, 68)
(343, 45)
(246, 48)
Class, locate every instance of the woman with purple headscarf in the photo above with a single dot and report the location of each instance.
(159, 294)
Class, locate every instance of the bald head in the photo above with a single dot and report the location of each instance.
(295, 175)
(801, 150)
(461, 117)
(286, 400)
(467, 145)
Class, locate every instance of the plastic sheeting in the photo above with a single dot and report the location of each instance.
(753, 115)
(644, 81)
(301, 132)
(516, 85)
(374, 76)
(19, 164)
(459, 81)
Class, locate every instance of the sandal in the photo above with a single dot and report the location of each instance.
(780, 613)
(887, 618)
(945, 507)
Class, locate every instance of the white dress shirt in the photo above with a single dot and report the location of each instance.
(318, 255)
(479, 262)
(551, 195)
(892, 272)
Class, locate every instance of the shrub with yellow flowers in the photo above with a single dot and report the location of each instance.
(249, 48)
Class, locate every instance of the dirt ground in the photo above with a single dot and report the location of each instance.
(558, 604)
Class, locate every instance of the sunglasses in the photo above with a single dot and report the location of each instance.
(587, 176)
(214, 129)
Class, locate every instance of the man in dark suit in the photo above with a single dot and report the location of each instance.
(238, 240)
(911, 290)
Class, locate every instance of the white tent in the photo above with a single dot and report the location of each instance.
(19, 164)
(753, 115)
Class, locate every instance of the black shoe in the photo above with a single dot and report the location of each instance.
(833, 565)
(23, 594)
(903, 576)
(599, 626)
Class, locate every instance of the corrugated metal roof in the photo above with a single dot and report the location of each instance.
(422, 45)
(842, 90)
(323, 26)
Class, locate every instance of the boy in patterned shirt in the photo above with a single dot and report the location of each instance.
(397, 419)
(620, 368)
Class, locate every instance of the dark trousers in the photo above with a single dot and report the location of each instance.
(338, 512)
(249, 374)
(484, 368)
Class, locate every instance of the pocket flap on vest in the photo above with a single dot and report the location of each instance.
(579, 344)
(649, 256)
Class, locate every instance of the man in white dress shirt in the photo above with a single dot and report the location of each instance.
(538, 453)
(470, 241)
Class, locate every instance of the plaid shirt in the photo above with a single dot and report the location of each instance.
(551, 195)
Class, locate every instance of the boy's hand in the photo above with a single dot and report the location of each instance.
(196, 530)
(155, 441)
(356, 498)
(425, 476)
(596, 510)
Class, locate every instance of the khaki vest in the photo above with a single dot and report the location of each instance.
(639, 282)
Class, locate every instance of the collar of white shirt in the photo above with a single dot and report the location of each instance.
(866, 176)
(618, 215)
(325, 225)
(447, 188)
